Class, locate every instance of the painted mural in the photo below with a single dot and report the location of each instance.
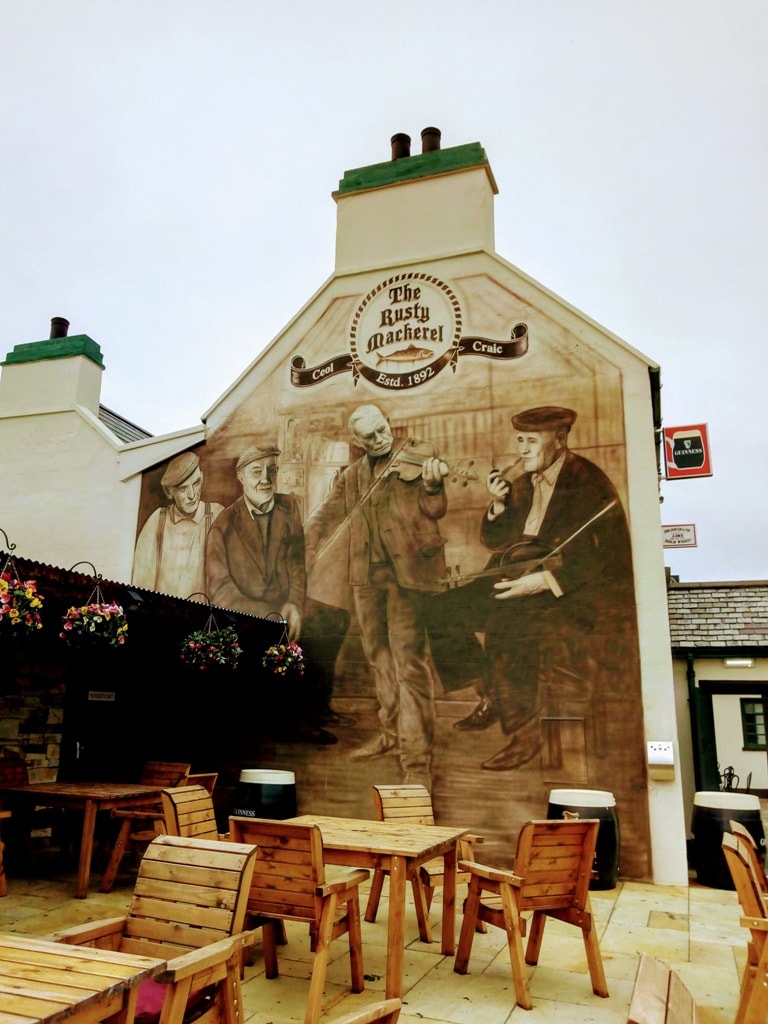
(429, 486)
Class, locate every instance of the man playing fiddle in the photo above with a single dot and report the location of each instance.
(393, 555)
(560, 610)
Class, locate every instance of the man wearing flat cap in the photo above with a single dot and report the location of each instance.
(255, 554)
(170, 551)
(561, 544)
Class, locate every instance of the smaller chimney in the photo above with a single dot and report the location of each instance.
(401, 145)
(59, 327)
(430, 139)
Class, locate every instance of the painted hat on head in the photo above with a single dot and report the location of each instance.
(544, 417)
(256, 453)
(179, 468)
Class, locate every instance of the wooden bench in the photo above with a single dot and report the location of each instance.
(659, 996)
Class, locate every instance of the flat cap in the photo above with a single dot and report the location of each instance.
(255, 453)
(179, 468)
(544, 417)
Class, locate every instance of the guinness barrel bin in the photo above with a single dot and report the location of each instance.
(265, 793)
(712, 812)
(593, 803)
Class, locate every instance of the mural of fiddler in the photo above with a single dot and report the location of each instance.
(450, 463)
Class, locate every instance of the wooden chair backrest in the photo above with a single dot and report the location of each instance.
(555, 859)
(13, 769)
(659, 996)
(189, 893)
(411, 805)
(205, 779)
(753, 851)
(164, 773)
(748, 886)
(189, 811)
(387, 1011)
(289, 868)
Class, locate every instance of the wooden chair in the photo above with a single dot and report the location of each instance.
(189, 811)
(289, 884)
(14, 771)
(753, 995)
(205, 779)
(3, 880)
(758, 864)
(412, 805)
(386, 1012)
(659, 996)
(188, 908)
(139, 827)
(553, 867)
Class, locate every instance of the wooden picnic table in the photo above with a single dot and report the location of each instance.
(398, 848)
(44, 982)
(90, 798)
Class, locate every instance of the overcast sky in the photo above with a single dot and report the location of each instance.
(168, 167)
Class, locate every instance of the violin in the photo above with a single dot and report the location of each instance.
(408, 460)
(517, 560)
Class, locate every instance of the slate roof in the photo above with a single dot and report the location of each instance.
(718, 615)
(120, 426)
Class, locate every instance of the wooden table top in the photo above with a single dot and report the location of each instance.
(395, 839)
(44, 982)
(84, 790)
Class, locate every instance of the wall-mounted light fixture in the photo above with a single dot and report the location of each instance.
(738, 662)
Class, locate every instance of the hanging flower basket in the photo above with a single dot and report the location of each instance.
(97, 622)
(211, 646)
(20, 603)
(284, 659)
(20, 600)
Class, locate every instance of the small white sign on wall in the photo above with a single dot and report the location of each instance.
(101, 695)
(681, 535)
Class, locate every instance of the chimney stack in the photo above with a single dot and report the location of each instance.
(430, 139)
(401, 145)
(59, 327)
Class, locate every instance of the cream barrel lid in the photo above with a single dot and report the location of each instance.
(730, 801)
(582, 797)
(268, 777)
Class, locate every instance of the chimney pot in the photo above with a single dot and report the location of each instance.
(59, 327)
(430, 139)
(401, 145)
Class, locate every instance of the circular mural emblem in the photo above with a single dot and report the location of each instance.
(405, 331)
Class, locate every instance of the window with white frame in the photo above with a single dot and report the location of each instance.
(753, 723)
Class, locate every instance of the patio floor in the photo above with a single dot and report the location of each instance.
(695, 929)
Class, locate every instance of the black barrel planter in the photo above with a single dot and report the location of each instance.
(600, 804)
(712, 812)
(265, 793)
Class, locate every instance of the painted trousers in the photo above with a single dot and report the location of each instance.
(394, 640)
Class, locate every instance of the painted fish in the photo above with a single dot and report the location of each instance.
(405, 355)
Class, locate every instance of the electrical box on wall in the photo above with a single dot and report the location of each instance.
(661, 760)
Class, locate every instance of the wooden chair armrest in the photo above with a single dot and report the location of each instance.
(198, 960)
(756, 924)
(489, 873)
(472, 839)
(344, 880)
(91, 931)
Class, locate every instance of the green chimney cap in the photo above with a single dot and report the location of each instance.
(408, 168)
(56, 348)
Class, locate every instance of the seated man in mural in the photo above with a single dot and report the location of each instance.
(170, 550)
(390, 553)
(564, 587)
